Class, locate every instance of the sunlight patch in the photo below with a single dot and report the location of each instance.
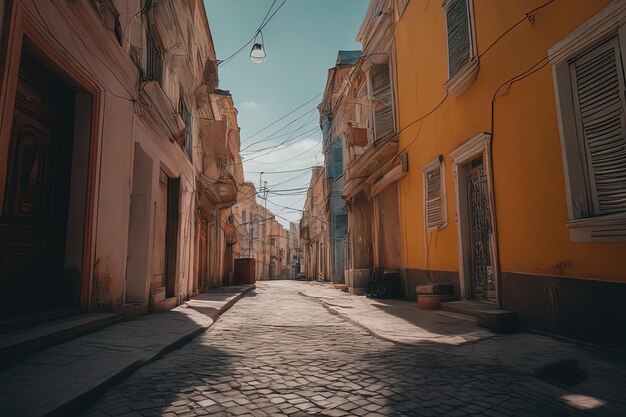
(582, 402)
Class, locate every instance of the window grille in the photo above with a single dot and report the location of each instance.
(154, 67)
(185, 114)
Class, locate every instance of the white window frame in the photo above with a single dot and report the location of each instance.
(426, 169)
(462, 80)
(607, 23)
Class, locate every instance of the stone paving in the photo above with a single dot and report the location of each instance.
(276, 353)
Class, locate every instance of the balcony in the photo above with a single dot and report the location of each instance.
(375, 156)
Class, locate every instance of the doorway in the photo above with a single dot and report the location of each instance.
(165, 241)
(139, 229)
(34, 218)
(482, 276)
(478, 257)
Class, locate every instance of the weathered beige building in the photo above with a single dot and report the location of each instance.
(260, 236)
(119, 155)
(314, 228)
(373, 165)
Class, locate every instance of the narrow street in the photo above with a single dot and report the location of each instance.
(277, 353)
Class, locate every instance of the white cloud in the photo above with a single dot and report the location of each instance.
(250, 105)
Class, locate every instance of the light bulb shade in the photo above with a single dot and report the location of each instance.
(257, 54)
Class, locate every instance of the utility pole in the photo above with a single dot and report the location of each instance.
(263, 191)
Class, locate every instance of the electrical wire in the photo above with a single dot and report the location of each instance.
(281, 118)
(289, 159)
(281, 172)
(264, 23)
(270, 136)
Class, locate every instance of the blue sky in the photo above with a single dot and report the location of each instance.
(301, 42)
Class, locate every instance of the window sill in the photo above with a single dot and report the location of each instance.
(608, 228)
(462, 80)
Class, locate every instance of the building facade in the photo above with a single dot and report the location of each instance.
(102, 135)
(314, 228)
(336, 117)
(373, 161)
(512, 116)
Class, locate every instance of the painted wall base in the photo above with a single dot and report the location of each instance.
(592, 311)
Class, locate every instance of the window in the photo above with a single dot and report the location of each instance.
(335, 162)
(154, 64)
(382, 103)
(244, 215)
(185, 114)
(462, 61)
(589, 75)
(434, 195)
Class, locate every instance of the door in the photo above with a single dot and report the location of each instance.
(171, 243)
(33, 223)
(159, 254)
(389, 232)
(482, 278)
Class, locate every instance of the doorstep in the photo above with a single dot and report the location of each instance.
(49, 333)
(487, 314)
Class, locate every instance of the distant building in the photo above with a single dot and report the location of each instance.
(336, 118)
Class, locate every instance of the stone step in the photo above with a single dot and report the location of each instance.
(165, 305)
(342, 287)
(487, 314)
(20, 322)
(433, 301)
(437, 289)
(136, 309)
(469, 307)
(41, 336)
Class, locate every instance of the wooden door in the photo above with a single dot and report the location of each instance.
(33, 222)
(172, 227)
(159, 252)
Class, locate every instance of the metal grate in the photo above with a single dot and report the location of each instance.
(185, 114)
(154, 67)
(483, 277)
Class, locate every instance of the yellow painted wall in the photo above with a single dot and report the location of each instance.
(528, 166)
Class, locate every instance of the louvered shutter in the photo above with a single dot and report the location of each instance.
(459, 49)
(434, 201)
(381, 93)
(598, 86)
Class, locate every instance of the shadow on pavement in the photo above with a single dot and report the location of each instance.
(490, 380)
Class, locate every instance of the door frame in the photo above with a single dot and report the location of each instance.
(479, 145)
(20, 24)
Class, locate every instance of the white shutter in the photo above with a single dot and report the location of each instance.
(381, 93)
(459, 49)
(598, 87)
(434, 198)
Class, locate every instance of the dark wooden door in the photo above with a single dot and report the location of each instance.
(34, 211)
(171, 242)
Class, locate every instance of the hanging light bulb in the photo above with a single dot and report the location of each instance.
(257, 53)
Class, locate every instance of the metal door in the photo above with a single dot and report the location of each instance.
(483, 284)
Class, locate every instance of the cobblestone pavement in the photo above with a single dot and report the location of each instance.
(276, 353)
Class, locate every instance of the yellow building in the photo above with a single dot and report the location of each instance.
(512, 115)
